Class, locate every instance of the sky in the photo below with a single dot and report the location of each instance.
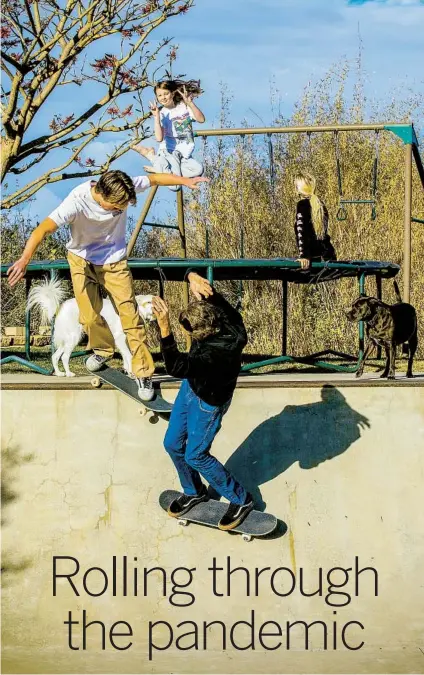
(251, 46)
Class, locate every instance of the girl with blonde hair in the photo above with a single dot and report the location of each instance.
(311, 227)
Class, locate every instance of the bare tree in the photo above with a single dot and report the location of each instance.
(46, 45)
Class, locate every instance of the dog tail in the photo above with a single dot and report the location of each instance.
(48, 296)
(397, 292)
(405, 346)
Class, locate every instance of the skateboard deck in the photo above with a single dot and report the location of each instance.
(128, 386)
(256, 524)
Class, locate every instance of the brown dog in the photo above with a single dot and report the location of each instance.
(386, 326)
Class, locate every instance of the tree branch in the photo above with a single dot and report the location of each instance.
(32, 146)
(53, 38)
(31, 188)
(11, 61)
(94, 133)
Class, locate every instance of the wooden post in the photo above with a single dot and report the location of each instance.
(181, 228)
(140, 221)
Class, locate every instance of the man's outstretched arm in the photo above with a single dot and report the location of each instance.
(16, 272)
(167, 179)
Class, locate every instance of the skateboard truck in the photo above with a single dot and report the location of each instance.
(157, 407)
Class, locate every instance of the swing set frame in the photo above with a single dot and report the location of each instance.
(254, 269)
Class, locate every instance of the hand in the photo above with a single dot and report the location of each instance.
(199, 286)
(161, 312)
(187, 98)
(304, 263)
(16, 272)
(154, 108)
(193, 183)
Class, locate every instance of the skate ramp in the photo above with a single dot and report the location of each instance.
(342, 468)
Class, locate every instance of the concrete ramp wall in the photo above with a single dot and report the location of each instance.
(342, 468)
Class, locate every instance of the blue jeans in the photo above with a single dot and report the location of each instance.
(192, 428)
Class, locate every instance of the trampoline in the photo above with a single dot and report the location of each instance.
(286, 270)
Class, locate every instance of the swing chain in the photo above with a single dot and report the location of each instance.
(341, 213)
(271, 162)
(309, 144)
(375, 173)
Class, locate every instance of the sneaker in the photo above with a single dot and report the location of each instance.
(235, 514)
(145, 388)
(95, 362)
(186, 502)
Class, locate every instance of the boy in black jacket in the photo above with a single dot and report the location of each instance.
(209, 372)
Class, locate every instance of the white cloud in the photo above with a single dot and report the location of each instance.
(43, 203)
(99, 150)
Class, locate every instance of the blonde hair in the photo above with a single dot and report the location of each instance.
(307, 189)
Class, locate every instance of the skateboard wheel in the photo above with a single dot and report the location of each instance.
(143, 411)
(247, 537)
(183, 522)
(96, 382)
(153, 417)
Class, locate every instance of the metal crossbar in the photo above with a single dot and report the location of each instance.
(285, 269)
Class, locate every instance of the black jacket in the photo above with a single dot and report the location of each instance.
(213, 364)
(308, 244)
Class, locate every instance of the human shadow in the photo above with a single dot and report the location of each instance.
(309, 434)
(11, 460)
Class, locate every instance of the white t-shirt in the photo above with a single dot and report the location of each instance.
(177, 129)
(97, 235)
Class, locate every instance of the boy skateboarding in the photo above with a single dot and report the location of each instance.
(97, 216)
(209, 372)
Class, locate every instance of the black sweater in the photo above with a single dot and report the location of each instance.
(213, 364)
(308, 244)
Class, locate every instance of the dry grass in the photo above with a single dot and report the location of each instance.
(240, 196)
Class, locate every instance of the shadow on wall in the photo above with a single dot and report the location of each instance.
(309, 434)
(11, 460)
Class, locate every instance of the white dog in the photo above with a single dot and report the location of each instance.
(68, 331)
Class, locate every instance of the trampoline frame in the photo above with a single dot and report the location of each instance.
(175, 269)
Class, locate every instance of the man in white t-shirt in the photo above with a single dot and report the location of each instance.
(97, 217)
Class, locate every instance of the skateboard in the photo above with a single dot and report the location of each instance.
(256, 523)
(117, 379)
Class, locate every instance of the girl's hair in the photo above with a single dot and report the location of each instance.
(307, 189)
(116, 187)
(200, 319)
(192, 87)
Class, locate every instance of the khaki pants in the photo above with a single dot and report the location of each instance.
(116, 279)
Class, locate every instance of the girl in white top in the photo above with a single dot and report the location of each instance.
(174, 130)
